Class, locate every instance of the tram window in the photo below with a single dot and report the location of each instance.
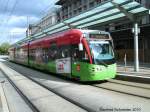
(53, 52)
(79, 55)
(64, 51)
(45, 55)
(32, 54)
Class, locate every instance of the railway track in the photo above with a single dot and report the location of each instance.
(27, 101)
(130, 88)
(132, 84)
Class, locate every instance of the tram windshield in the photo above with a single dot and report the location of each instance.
(101, 50)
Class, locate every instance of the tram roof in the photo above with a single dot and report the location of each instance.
(84, 31)
(104, 13)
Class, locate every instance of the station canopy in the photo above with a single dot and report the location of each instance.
(103, 13)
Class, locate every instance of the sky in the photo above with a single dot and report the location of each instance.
(15, 15)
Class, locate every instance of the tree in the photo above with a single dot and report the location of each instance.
(4, 48)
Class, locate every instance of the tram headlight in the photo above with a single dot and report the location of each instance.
(98, 69)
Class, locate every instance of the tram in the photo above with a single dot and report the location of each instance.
(84, 55)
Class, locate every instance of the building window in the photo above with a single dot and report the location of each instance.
(149, 19)
(66, 16)
(70, 14)
(85, 7)
(91, 4)
(138, 1)
(69, 8)
(79, 9)
(75, 12)
(79, 2)
(75, 5)
(98, 1)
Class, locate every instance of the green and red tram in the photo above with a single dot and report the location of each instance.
(86, 55)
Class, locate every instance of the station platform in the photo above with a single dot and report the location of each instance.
(127, 72)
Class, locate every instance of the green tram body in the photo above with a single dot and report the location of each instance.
(85, 55)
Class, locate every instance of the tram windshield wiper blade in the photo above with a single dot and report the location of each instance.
(103, 63)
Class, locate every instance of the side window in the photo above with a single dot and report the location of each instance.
(38, 55)
(75, 52)
(32, 54)
(79, 55)
(53, 52)
(45, 55)
(17, 53)
(64, 51)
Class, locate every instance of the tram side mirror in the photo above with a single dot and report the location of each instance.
(80, 47)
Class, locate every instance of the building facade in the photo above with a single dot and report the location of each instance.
(48, 20)
(72, 8)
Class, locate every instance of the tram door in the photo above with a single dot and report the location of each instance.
(76, 61)
(79, 61)
(63, 61)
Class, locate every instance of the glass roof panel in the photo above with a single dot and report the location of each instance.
(141, 9)
(88, 13)
(58, 30)
(55, 26)
(96, 17)
(120, 1)
(129, 5)
(102, 20)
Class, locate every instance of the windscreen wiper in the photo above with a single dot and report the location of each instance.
(103, 63)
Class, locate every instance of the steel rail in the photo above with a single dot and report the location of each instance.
(146, 97)
(27, 101)
(127, 84)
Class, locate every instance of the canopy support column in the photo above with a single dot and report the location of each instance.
(136, 49)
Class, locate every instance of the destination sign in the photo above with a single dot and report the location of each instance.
(99, 36)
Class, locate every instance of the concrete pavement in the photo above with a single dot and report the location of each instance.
(3, 99)
(127, 72)
(1, 109)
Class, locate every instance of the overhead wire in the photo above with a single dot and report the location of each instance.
(12, 11)
(4, 11)
(5, 22)
(10, 14)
